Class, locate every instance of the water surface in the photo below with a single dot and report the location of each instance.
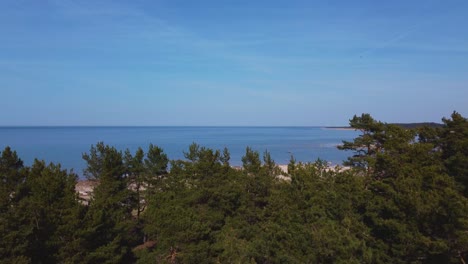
(65, 145)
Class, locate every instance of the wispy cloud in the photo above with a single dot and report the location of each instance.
(390, 41)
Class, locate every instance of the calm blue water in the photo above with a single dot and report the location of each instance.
(65, 145)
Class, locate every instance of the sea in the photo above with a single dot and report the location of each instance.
(65, 145)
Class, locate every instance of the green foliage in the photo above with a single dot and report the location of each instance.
(156, 161)
(413, 209)
(251, 161)
(11, 179)
(367, 145)
(108, 221)
(454, 145)
(30, 228)
(402, 201)
(197, 196)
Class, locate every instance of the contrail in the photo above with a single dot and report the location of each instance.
(391, 41)
(399, 37)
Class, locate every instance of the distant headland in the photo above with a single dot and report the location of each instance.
(403, 125)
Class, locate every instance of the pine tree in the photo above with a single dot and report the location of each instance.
(454, 146)
(41, 215)
(251, 161)
(413, 209)
(11, 178)
(365, 146)
(108, 221)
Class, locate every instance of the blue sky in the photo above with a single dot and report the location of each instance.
(238, 62)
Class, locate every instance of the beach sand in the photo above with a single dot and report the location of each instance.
(85, 188)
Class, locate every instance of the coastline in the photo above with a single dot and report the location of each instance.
(84, 188)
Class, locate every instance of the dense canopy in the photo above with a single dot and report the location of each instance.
(401, 199)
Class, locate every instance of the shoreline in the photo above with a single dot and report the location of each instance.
(84, 187)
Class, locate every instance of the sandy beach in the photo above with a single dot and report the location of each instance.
(85, 188)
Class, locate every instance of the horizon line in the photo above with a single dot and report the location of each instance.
(154, 126)
(194, 126)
